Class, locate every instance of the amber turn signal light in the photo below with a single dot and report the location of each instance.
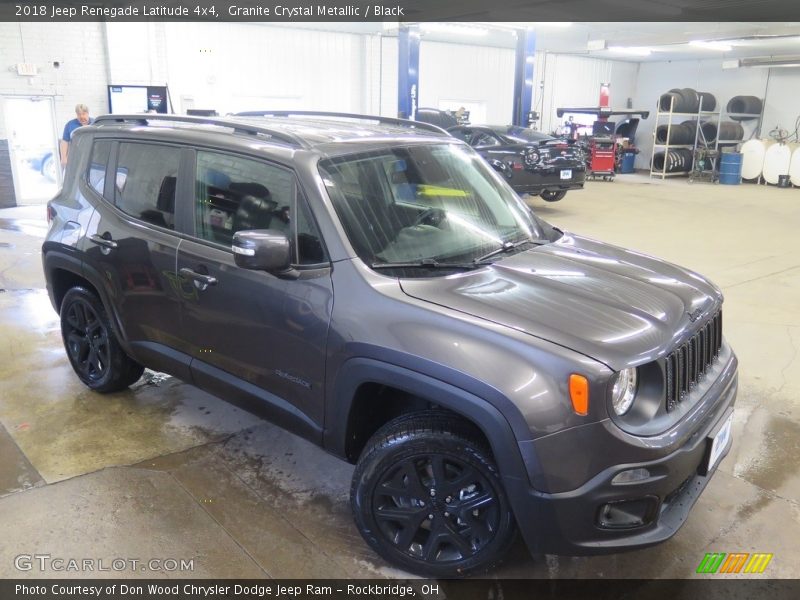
(579, 394)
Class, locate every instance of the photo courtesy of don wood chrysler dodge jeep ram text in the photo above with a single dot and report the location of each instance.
(372, 285)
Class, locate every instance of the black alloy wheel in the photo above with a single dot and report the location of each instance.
(91, 344)
(436, 508)
(427, 497)
(86, 340)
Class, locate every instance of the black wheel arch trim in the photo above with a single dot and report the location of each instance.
(56, 259)
(498, 419)
(53, 260)
(492, 422)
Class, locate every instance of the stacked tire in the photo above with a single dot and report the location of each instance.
(702, 134)
(726, 130)
(744, 107)
(730, 131)
(683, 134)
(678, 160)
(677, 134)
(686, 100)
(708, 129)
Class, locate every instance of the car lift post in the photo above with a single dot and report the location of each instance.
(408, 71)
(523, 76)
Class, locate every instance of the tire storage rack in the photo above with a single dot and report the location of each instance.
(692, 146)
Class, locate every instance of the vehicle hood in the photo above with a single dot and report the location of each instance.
(617, 306)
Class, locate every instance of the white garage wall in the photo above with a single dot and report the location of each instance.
(782, 108)
(387, 76)
(81, 78)
(655, 78)
(137, 53)
(575, 81)
(371, 94)
(232, 66)
(239, 66)
(468, 73)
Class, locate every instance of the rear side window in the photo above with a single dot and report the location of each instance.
(96, 172)
(481, 138)
(146, 178)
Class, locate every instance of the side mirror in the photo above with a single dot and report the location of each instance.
(262, 250)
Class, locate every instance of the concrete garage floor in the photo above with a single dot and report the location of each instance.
(166, 471)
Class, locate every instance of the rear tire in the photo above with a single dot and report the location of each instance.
(550, 196)
(92, 346)
(426, 496)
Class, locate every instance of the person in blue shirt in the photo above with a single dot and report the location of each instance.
(82, 118)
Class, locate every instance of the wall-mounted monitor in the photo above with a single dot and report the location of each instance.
(135, 99)
(603, 128)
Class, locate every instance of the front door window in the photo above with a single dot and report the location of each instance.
(233, 193)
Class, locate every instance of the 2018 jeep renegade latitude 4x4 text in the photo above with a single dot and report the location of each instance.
(371, 285)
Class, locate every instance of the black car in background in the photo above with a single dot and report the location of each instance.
(533, 162)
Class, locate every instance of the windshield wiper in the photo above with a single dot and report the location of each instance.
(425, 263)
(431, 263)
(508, 247)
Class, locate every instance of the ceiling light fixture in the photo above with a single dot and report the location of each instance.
(454, 29)
(561, 24)
(631, 50)
(771, 61)
(720, 46)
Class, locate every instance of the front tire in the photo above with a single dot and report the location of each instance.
(552, 196)
(426, 496)
(91, 345)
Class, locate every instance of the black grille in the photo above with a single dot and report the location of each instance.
(687, 365)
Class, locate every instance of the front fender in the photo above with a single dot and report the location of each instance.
(501, 428)
(492, 422)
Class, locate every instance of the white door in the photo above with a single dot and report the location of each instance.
(33, 141)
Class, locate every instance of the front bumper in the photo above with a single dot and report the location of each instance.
(569, 523)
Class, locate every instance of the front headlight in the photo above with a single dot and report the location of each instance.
(624, 391)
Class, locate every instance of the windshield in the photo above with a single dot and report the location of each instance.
(425, 203)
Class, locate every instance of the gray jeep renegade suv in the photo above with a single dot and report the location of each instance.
(373, 286)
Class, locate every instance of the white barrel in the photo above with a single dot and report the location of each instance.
(753, 158)
(776, 162)
(794, 167)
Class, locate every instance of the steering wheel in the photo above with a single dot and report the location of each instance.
(437, 217)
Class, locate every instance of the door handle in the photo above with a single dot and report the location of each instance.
(201, 281)
(101, 241)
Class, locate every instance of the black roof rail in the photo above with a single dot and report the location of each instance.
(237, 126)
(315, 113)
